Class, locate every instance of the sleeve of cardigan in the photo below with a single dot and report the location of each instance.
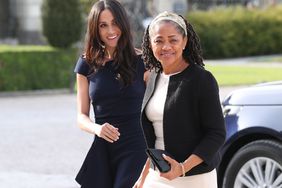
(211, 118)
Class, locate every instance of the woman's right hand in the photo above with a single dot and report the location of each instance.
(107, 132)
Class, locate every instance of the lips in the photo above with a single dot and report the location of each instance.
(112, 37)
(166, 54)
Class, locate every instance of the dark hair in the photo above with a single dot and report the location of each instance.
(124, 54)
(192, 52)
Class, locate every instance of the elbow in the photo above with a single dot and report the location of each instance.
(80, 126)
(80, 123)
(221, 136)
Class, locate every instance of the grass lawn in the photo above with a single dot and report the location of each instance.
(24, 48)
(231, 75)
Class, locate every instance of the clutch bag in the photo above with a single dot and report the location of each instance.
(157, 159)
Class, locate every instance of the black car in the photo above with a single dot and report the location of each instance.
(252, 154)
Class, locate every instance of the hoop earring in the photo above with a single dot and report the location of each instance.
(102, 46)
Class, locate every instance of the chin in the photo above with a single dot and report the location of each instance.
(167, 61)
(112, 45)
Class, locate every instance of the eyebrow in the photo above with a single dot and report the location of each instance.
(170, 36)
(106, 22)
(102, 21)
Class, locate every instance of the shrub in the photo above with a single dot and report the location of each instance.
(62, 22)
(35, 69)
(236, 32)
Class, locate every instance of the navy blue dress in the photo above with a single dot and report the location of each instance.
(118, 164)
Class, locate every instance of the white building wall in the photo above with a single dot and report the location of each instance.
(161, 5)
(29, 21)
(178, 6)
(29, 14)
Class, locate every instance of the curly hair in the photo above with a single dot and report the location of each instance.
(124, 55)
(192, 52)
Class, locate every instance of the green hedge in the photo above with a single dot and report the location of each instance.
(236, 32)
(25, 68)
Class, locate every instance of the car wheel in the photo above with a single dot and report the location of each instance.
(256, 165)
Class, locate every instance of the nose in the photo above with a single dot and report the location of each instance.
(166, 46)
(111, 30)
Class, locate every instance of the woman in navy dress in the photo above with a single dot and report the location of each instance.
(110, 76)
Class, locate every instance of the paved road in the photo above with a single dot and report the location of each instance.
(41, 146)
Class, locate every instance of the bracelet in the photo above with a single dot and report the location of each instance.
(183, 170)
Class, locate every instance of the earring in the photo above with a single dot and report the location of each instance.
(102, 46)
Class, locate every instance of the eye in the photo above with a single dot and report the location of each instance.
(157, 41)
(173, 40)
(102, 25)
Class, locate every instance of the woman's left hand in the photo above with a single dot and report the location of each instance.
(175, 170)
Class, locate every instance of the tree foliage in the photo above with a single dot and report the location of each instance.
(86, 5)
(62, 22)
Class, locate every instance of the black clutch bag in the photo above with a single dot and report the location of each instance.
(157, 159)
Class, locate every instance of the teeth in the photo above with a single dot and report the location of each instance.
(113, 37)
(166, 54)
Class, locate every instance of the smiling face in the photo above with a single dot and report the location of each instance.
(108, 30)
(167, 44)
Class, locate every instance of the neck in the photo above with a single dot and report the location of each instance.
(109, 53)
(177, 67)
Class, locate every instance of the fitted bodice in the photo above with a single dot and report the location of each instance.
(109, 97)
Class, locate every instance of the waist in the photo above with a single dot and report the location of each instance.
(117, 108)
(121, 119)
(210, 171)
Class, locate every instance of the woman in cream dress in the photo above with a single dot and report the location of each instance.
(181, 111)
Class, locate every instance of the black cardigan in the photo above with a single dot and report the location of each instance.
(193, 121)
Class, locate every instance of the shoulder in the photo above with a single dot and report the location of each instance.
(138, 57)
(82, 67)
(138, 51)
(201, 73)
(81, 60)
(200, 79)
(206, 80)
(139, 62)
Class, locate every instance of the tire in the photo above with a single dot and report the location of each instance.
(256, 165)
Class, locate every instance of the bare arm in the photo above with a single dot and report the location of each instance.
(139, 183)
(83, 105)
(192, 161)
(146, 76)
(105, 131)
(177, 169)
